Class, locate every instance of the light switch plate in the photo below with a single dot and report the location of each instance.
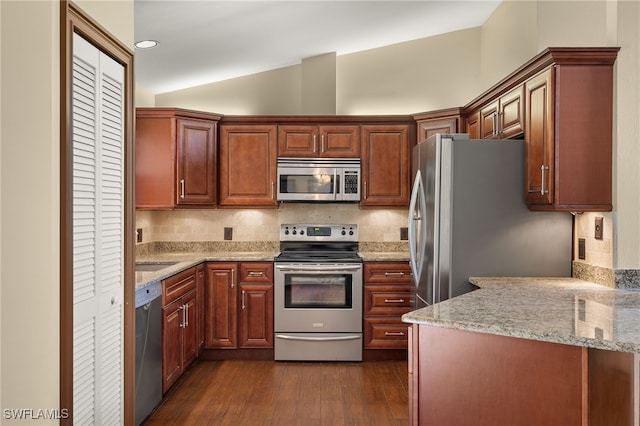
(598, 228)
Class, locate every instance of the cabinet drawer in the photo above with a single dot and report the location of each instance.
(387, 273)
(385, 333)
(387, 300)
(256, 272)
(176, 286)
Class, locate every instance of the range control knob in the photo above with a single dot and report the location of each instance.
(302, 232)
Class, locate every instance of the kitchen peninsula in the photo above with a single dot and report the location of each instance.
(527, 351)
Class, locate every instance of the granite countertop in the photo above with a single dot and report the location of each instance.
(185, 261)
(557, 310)
(184, 255)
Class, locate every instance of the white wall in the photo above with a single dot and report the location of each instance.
(29, 196)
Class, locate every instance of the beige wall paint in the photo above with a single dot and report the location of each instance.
(406, 78)
(29, 199)
(508, 40)
(421, 75)
(626, 213)
(30, 193)
(571, 23)
(271, 92)
(318, 85)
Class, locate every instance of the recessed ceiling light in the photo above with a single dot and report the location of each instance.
(145, 44)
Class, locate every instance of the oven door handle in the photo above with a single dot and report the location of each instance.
(318, 339)
(319, 268)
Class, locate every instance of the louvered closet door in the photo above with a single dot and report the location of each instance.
(98, 236)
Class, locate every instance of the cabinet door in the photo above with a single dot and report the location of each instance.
(189, 329)
(248, 165)
(385, 165)
(428, 128)
(511, 114)
(489, 121)
(539, 138)
(297, 141)
(221, 301)
(473, 125)
(200, 283)
(171, 343)
(339, 141)
(256, 315)
(196, 162)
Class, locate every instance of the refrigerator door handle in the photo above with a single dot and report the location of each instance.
(417, 209)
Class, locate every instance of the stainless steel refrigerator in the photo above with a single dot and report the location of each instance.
(468, 217)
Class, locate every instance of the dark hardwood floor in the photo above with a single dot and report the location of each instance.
(288, 393)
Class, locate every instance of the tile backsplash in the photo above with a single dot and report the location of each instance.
(264, 224)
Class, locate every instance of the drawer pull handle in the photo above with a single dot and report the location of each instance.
(394, 274)
(256, 274)
(394, 333)
(393, 300)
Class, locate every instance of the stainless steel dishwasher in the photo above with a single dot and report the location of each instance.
(148, 349)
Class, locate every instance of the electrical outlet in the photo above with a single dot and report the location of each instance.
(598, 228)
(404, 233)
(228, 233)
(139, 235)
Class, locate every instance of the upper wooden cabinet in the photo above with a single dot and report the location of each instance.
(569, 134)
(385, 165)
(561, 101)
(248, 165)
(504, 117)
(446, 121)
(176, 153)
(308, 141)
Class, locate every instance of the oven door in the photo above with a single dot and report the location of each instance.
(323, 298)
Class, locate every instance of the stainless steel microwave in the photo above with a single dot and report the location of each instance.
(319, 179)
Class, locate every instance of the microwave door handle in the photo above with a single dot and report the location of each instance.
(336, 183)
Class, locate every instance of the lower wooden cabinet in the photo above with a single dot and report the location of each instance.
(388, 292)
(179, 325)
(239, 305)
(459, 377)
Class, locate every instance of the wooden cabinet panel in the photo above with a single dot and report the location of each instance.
(256, 305)
(171, 344)
(498, 380)
(387, 300)
(385, 333)
(200, 288)
(503, 118)
(176, 160)
(309, 141)
(197, 162)
(569, 138)
(511, 113)
(248, 166)
(256, 315)
(155, 159)
(385, 165)
(473, 125)
(339, 141)
(388, 294)
(239, 315)
(540, 167)
(189, 329)
(428, 128)
(180, 325)
(221, 301)
(488, 121)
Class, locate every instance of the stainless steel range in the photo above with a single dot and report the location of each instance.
(318, 294)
